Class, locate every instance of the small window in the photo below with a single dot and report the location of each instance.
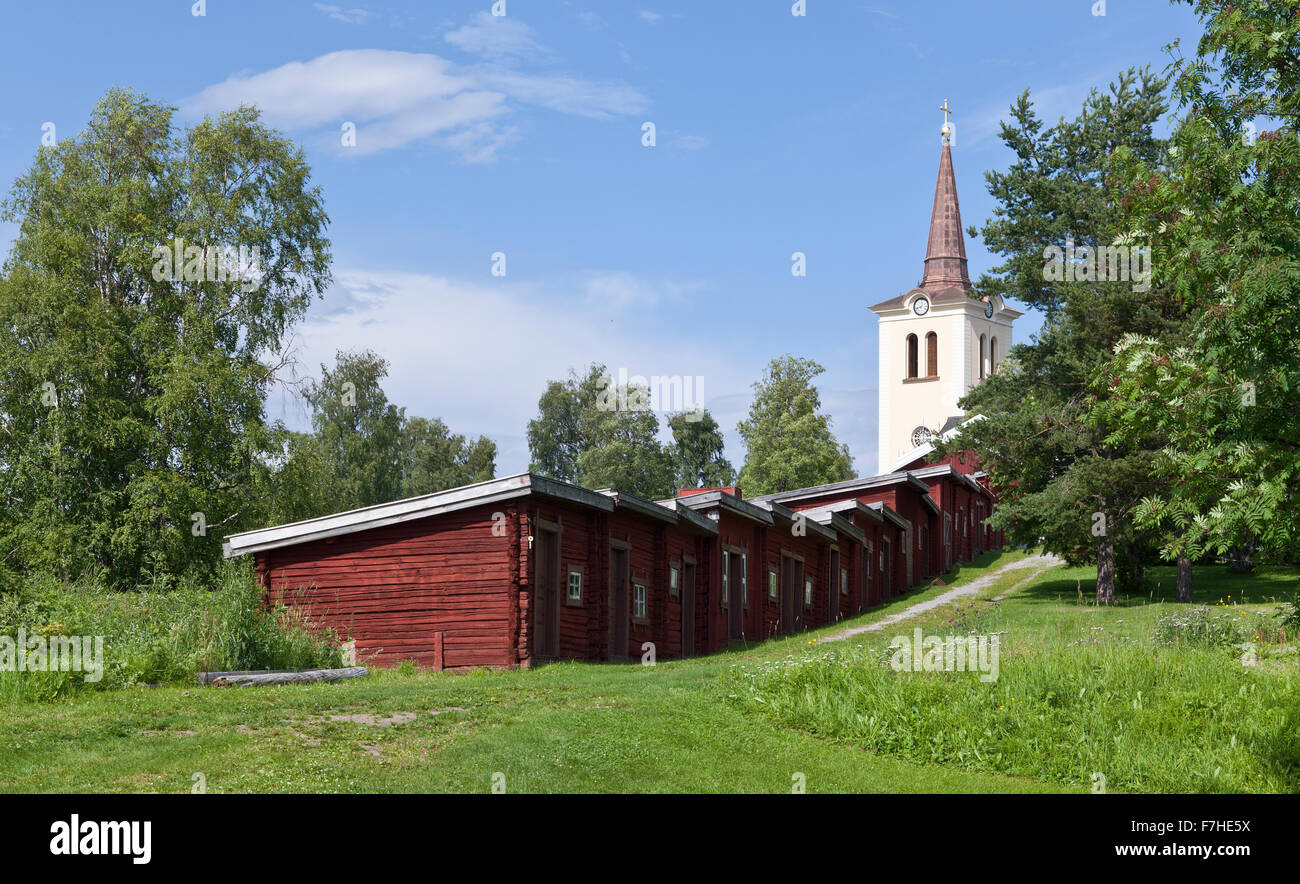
(638, 602)
(674, 580)
(807, 593)
(772, 588)
(844, 581)
(932, 355)
(867, 560)
(913, 358)
(574, 596)
(726, 577)
(744, 580)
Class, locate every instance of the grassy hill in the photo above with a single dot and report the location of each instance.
(832, 716)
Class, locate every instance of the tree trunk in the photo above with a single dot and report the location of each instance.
(1184, 579)
(1239, 557)
(1106, 572)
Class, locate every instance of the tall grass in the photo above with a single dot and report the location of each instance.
(160, 635)
(1169, 719)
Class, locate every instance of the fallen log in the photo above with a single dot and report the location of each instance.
(282, 676)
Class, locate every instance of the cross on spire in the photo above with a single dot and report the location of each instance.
(947, 129)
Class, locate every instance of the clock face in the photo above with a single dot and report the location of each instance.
(921, 306)
(988, 309)
(920, 436)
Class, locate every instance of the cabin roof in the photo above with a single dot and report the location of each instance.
(397, 512)
(890, 515)
(788, 515)
(720, 500)
(850, 486)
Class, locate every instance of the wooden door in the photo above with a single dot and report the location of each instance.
(886, 568)
(688, 609)
(800, 574)
(833, 587)
(546, 612)
(735, 597)
(864, 581)
(619, 615)
(788, 594)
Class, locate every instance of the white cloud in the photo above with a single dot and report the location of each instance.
(1050, 104)
(397, 98)
(478, 354)
(347, 16)
(567, 94)
(496, 36)
(692, 142)
(649, 17)
(456, 349)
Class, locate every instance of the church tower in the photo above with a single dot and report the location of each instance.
(937, 340)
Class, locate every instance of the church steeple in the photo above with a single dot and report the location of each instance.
(945, 254)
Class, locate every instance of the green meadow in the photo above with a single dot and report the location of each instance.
(1151, 695)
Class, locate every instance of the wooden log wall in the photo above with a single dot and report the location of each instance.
(451, 592)
(394, 588)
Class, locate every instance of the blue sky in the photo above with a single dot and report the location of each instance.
(522, 134)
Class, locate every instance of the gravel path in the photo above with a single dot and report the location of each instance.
(1039, 563)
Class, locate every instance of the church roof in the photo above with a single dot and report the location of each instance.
(946, 278)
(945, 254)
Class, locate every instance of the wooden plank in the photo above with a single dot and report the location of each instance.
(271, 677)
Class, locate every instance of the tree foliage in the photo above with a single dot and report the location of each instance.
(556, 437)
(1062, 480)
(358, 430)
(789, 441)
(368, 451)
(698, 452)
(1223, 215)
(131, 401)
(597, 434)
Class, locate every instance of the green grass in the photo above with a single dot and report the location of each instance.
(1081, 690)
(684, 726)
(157, 635)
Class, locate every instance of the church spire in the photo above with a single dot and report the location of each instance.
(945, 255)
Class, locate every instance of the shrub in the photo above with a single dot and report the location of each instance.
(1289, 615)
(161, 634)
(1202, 627)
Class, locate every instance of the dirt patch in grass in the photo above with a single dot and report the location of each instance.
(366, 718)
